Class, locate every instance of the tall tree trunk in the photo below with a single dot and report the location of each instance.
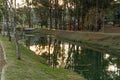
(56, 14)
(74, 23)
(70, 24)
(71, 11)
(49, 44)
(74, 18)
(30, 24)
(50, 14)
(78, 22)
(97, 15)
(82, 22)
(17, 46)
(78, 15)
(16, 35)
(7, 21)
(63, 16)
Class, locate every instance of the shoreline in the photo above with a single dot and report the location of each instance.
(108, 42)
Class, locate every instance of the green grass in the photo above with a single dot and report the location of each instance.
(31, 66)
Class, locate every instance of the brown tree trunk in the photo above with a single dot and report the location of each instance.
(16, 35)
(78, 22)
(56, 14)
(50, 14)
(7, 22)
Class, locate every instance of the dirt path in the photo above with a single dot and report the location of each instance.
(1, 60)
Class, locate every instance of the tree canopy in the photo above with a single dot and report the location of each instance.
(63, 14)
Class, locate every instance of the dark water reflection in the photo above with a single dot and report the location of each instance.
(93, 65)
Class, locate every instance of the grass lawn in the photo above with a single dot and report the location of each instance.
(31, 66)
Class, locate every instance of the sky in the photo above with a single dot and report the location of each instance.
(20, 2)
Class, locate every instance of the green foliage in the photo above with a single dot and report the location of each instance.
(58, 14)
(2, 8)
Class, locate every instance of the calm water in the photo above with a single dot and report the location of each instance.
(93, 65)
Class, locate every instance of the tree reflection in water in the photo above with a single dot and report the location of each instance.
(92, 64)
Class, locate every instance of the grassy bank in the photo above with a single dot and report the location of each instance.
(31, 66)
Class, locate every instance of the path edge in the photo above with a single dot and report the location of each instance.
(5, 59)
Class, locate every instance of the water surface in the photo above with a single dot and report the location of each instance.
(92, 64)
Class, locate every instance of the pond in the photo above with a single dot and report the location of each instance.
(92, 64)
